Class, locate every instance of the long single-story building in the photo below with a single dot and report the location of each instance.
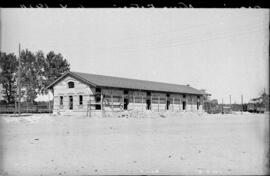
(84, 93)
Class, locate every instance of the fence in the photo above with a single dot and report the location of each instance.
(32, 108)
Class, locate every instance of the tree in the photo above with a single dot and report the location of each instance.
(30, 74)
(37, 72)
(54, 67)
(9, 67)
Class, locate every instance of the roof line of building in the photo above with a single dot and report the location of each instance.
(73, 75)
(126, 83)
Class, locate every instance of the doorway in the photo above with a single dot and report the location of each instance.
(70, 102)
(184, 105)
(126, 101)
(148, 104)
(198, 102)
(168, 104)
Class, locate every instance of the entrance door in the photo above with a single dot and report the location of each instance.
(184, 105)
(148, 104)
(126, 104)
(168, 105)
(71, 102)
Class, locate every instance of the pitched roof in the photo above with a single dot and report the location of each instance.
(117, 82)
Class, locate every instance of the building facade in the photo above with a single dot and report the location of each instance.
(84, 94)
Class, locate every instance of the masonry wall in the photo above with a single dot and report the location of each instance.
(62, 89)
(113, 99)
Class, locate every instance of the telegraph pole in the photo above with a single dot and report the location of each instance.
(19, 80)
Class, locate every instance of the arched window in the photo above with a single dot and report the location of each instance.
(70, 84)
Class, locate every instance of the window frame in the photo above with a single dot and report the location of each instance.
(71, 83)
(61, 101)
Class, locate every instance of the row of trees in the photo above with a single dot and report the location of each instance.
(37, 72)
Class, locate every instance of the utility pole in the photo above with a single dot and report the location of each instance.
(19, 80)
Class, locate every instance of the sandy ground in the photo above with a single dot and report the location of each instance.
(174, 143)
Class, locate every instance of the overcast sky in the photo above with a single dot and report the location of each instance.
(224, 51)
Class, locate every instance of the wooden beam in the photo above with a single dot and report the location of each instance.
(150, 102)
(142, 102)
(191, 104)
(90, 107)
(173, 104)
(158, 102)
(101, 103)
(166, 103)
(180, 102)
(112, 102)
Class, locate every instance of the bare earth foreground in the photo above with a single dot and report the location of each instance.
(174, 143)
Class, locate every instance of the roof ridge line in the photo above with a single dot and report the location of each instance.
(134, 79)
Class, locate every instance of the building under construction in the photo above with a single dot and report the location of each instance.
(83, 93)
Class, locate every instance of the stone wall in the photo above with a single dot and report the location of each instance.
(61, 89)
(113, 99)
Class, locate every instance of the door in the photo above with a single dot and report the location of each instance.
(148, 104)
(126, 104)
(184, 105)
(70, 102)
(168, 105)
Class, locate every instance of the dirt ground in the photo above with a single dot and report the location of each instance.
(172, 143)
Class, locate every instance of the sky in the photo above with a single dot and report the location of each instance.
(224, 51)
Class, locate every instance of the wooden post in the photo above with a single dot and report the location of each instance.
(222, 107)
(16, 109)
(166, 103)
(112, 102)
(142, 102)
(173, 104)
(191, 103)
(122, 99)
(180, 103)
(101, 104)
(19, 81)
(158, 102)
(49, 103)
(202, 103)
(150, 102)
(90, 107)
